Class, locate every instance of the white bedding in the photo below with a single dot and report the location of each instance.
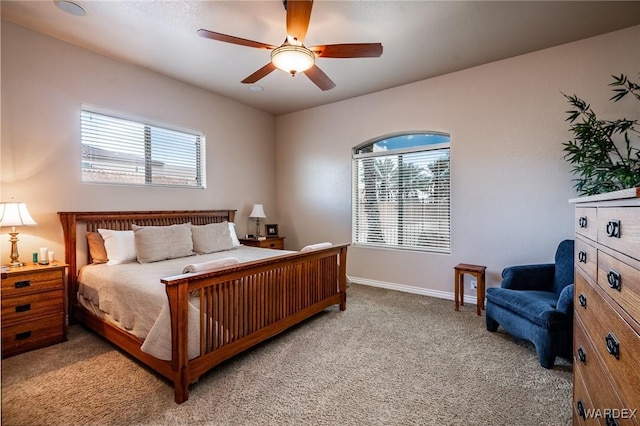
(132, 296)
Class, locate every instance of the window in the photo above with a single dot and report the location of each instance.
(401, 193)
(117, 150)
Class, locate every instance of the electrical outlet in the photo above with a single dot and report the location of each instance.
(474, 284)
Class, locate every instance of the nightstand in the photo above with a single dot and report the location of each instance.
(271, 242)
(32, 307)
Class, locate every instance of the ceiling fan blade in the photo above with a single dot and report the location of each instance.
(298, 15)
(350, 50)
(262, 72)
(320, 79)
(233, 40)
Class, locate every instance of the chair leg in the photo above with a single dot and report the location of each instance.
(492, 325)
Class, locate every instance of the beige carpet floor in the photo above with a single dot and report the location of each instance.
(390, 359)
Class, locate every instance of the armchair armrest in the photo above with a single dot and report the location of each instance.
(565, 301)
(529, 277)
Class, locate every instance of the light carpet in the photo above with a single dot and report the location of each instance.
(391, 358)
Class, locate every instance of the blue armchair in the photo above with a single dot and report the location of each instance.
(535, 303)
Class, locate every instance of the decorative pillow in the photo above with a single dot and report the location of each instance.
(96, 248)
(234, 234)
(211, 238)
(120, 246)
(155, 243)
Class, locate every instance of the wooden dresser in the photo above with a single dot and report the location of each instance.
(32, 307)
(606, 343)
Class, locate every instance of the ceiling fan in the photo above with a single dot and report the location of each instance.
(293, 56)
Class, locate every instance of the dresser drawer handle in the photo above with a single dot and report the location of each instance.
(610, 420)
(23, 335)
(23, 284)
(582, 299)
(613, 228)
(581, 411)
(582, 355)
(613, 347)
(582, 256)
(23, 308)
(582, 222)
(615, 280)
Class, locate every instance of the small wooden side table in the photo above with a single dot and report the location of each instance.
(477, 271)
(271, 242)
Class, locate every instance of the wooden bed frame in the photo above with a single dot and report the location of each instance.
(251, 301)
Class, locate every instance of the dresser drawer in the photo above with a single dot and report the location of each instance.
(586, 257)
(24, 308)
(619, 229)
(586, 223)
(21, 284)
(621, 282)
(33, 334)
(587, 365)
(616, 343)
(582, 405)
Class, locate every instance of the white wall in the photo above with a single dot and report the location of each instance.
(45, 80)
(510, 185)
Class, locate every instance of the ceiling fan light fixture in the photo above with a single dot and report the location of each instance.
(292, 59)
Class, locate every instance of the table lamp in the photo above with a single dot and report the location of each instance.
(15, 214)
(258, 213)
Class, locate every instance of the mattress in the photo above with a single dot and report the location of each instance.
(132, 297)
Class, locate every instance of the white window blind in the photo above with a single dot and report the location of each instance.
(401, 193)
(118, 150)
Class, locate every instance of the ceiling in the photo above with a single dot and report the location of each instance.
(421, 39)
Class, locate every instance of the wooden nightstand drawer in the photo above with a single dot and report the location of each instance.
(28, 335)
(33, 307)
(276, 243)
(19, 284)
(16, 309)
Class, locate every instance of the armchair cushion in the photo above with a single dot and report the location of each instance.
(538, 307)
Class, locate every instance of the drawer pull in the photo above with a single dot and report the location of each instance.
(23, 308)
(615, 280)
(582, 221)
(581, 411)
(610, 420)
(23, 284)
(23, 335)
(582, 256)
(582, 355)
(613, 228)
(613, 347)
(582, 299)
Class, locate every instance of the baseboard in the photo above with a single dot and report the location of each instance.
(410, 289)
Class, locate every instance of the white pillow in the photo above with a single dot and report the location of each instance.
(120, 246)
(234, 235)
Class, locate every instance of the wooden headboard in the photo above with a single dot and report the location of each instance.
(122, 221)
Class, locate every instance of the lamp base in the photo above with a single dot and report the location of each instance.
(16, 264)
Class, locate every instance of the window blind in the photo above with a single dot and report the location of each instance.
(401, 198)
(118, 150)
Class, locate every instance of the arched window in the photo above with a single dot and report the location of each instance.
(401, 192)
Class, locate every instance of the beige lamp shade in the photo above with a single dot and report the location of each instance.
(258, 211)
(15, 214)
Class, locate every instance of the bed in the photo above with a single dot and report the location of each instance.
(239, 305)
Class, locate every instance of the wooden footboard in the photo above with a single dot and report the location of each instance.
(239, 306)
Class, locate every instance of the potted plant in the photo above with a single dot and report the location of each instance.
(605, 154)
